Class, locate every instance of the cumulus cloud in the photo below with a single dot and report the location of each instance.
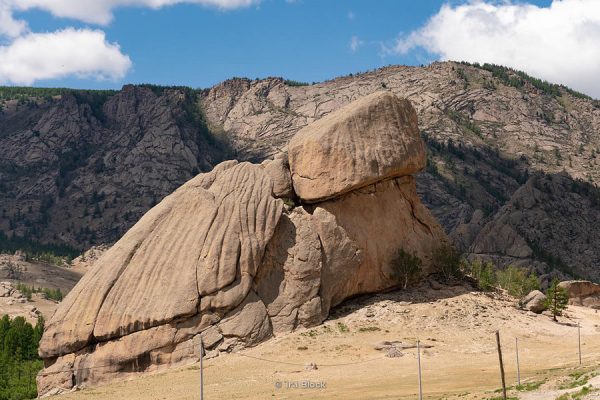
(8, 25)
(83, 53)
(559, 43)
(101, 11)
(26, 57)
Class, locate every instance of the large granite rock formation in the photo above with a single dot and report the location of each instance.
(82, 167)
(351, 148)
(230, 259)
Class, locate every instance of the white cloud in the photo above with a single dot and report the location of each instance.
(8, 25)
(101, 11)
(355, 43)
(351, 15)
(83, 53)
(27, 57)
(559, 43)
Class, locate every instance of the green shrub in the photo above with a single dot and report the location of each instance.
(52, 294)
(516, 281)
(369, 329)
(448, 261)
(530, 386)
(406, 268)
(25, 290)
(483, 273)
(290, 82)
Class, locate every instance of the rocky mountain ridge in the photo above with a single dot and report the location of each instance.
(512, 168)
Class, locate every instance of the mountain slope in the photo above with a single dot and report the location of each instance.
(512, 169)
(81, 168)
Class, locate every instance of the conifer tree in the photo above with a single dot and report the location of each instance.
(556, 299)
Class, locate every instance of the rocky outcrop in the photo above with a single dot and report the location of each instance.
(89, 257)
(223, 259)
(535, 302)
(551, 219)
(582, 293)
(10, 293)
(15, 304)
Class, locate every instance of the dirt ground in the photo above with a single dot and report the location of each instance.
(49, 276)
(459, 360)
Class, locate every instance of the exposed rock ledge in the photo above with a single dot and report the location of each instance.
(223, 259)
(582, 293)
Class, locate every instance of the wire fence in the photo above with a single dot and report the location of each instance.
(515, 358)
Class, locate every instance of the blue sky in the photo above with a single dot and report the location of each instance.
(186, 43)
(307, 40)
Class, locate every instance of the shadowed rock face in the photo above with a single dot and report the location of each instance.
(222, 260)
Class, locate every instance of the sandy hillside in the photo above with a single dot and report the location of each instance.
(455, 325)
(29, 309)
(38, 275)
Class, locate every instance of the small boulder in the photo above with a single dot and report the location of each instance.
(535, 302)
(435, 285)
(211, 354)
(6, 289)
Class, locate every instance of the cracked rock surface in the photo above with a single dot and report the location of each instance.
(222, 259)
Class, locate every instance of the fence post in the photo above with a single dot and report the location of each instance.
(579, 340)
(419, 364)
(501, 365)
(518, 367)
(201, 369)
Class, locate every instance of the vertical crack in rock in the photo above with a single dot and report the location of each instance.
(413, 205)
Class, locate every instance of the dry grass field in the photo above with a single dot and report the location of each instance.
(455, 325)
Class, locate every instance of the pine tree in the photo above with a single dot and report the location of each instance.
(556, 299)
(4, 327)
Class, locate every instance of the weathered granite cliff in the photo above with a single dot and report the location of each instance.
(512, 163)
(248, 250)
